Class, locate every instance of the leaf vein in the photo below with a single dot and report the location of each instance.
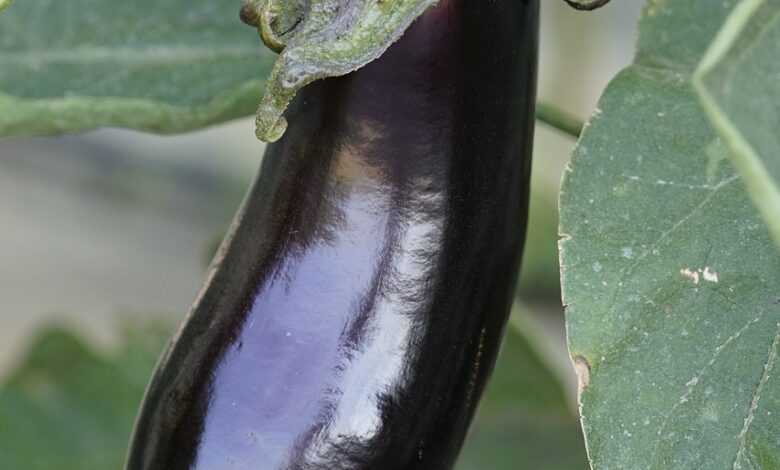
(696, 380)
(768, 366)
(638, 261)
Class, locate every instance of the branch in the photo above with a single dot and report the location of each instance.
(559, 119)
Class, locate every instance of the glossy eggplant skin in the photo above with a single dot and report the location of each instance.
(353, 317)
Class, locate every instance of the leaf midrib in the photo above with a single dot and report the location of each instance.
(128, 55)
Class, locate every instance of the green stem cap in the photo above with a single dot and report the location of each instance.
(317, 39)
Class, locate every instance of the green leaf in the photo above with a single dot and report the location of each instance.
(738, 84)
(161, 66)
(669, 273)
(70, 407)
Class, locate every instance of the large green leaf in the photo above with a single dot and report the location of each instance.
(669, 273)
(156, 65)
(739, 86)
(70, 407)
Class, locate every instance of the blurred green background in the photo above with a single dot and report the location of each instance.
(105, 236)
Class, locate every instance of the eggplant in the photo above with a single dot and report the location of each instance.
(354, 313)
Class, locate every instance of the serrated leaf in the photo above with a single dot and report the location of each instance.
(161, 66)
(669, 273)
(738, 84)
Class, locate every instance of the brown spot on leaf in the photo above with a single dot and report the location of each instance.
(582, 368)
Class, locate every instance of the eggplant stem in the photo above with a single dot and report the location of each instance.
(592, 5)
(559, 119)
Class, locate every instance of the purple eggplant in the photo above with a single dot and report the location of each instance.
(353, 315)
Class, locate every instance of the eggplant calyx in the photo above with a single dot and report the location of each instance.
(317, 39)
(275, 20)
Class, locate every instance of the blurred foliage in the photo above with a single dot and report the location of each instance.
(69, 406)
(539, 277)
(523, 420)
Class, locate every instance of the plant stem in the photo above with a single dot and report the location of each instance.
(586, 5)
(559, 119)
